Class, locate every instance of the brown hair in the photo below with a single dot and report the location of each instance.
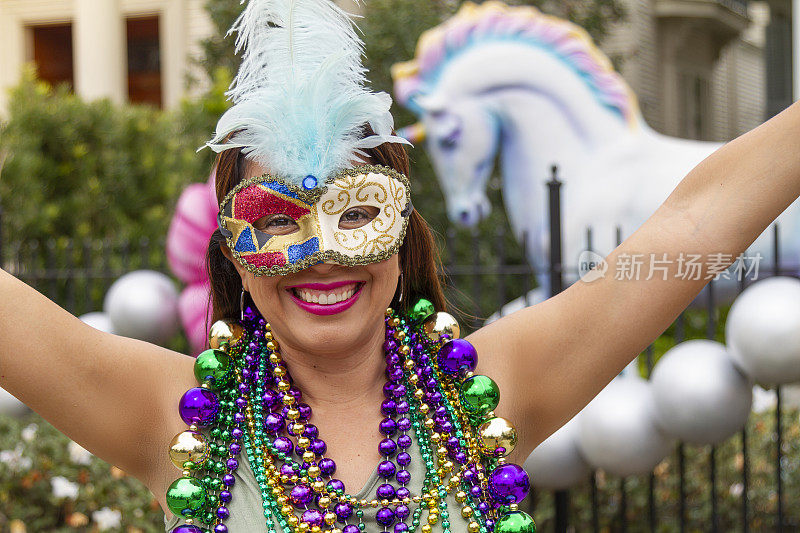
(418, 255)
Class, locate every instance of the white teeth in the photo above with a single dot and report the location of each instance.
(323, 298)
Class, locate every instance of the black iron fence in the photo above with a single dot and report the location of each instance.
(748, 483)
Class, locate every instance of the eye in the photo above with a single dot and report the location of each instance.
(279, 224)
(450, 141)
(355, 217)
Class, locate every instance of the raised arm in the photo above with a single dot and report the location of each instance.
(108, 393)
(556, 356)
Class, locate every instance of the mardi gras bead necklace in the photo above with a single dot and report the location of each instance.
(246, 401)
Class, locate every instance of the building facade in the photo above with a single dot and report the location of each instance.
(698, 66)
(127, 50)
(703, 69)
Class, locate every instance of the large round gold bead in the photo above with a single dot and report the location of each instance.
(439, 324)
(188, 446)
(224, 332)
(497, 437)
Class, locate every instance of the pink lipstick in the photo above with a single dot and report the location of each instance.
(326, 309)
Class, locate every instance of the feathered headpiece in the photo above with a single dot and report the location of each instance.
(299, 98)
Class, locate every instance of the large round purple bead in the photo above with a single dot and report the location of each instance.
(385, 516)
(388, 426)
(403, 476)
(283, 445)
(187, 529)
(301, 495)
(327, 466)
(335, 484)
(387, 447)
(273, 422)
(343, 511)
(457, 355)
(386, 469)
(386, 492)
(350, 528)
(199, 406)
(312, 517)
(509, 483)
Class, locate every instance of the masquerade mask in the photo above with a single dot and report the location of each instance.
(358, 217)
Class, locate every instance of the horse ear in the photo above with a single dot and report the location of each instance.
(414, 133)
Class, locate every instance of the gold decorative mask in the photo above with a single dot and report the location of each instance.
(276, 228)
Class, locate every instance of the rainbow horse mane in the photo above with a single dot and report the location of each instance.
(494, 20)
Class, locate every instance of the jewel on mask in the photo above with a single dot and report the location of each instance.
(309, 182)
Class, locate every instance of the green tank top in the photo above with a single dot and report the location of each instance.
(247, 513)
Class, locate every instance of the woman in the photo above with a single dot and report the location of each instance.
(117, 397)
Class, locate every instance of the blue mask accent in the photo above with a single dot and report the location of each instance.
(300, 251)
(245, 242)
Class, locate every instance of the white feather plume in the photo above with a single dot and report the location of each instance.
(300, 99)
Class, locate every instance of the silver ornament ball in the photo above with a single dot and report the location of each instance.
(99, 321)
(143, 305)
(11, 406)
(556, 464)
(700, 396)
(618, 431)
(763, 331)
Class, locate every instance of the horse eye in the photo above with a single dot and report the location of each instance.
(451, 140)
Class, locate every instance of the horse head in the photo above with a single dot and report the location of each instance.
(461, 138)
(495, 72)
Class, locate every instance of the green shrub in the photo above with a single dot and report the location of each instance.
(94, 169)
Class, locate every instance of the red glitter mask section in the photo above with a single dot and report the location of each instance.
(266, 259)
(256, 201)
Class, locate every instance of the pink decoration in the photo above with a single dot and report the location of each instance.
(194, 221)
(194, 308)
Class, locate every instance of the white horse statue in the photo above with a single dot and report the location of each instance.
(537, 89)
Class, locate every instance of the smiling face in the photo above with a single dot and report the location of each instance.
(325, 308)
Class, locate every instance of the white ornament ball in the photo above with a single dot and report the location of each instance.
(618, 430)
(143, 305)
(701, 397)
(556, 464)
(10, 406)
(763, 331)
(99, 321)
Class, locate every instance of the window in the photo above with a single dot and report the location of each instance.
(695, 107)
(52, 53)
(144, 61)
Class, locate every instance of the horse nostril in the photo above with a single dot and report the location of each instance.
(464, 216)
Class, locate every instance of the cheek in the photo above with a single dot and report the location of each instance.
(386, 277)
(264, 292)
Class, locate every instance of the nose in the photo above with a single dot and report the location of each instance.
(463, 216)
(323, 267)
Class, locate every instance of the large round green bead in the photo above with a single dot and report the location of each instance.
(186, 496)
(421, 310)
(515, 522)
(213, 366)
(479, 395)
